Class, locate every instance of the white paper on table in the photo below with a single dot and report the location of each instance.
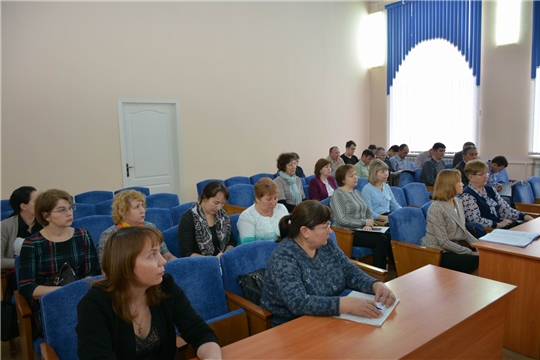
(364, 320)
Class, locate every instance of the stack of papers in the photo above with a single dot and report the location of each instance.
(364, 320)
(510, 237)
(381, 229)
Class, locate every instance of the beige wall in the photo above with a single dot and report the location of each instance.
(253, 80)
(504, 95)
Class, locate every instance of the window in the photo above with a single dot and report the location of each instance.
(535, 91)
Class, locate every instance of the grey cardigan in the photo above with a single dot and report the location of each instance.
(10, 226)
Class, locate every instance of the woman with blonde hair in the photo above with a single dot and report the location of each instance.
(132, 312)
(377, 194)
(260, 221)
(129, 209)
(446, 224)
(322, 186)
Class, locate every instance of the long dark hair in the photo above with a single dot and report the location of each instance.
(308, 213)
(20, 196)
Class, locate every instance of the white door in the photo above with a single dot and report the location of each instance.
(149, 136)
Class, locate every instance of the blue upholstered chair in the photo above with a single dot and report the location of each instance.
(59, 317)
(411, 165)
(523, 197)
(253, 179)
(162, 218)
(303, 180)
(144, 190)
(416, 194)
(234, 226)
(83, 210)
(95, 225)
(309, 178)
(534, 181)
(179, 210)
(94, 197)
(202, 184)
(306, 192)
(5, 214)
(237, 180)
(326, 202)
(449, 166)
(200, 278)
(399, 195)
(241, 195)
(361, 183)
(405, 177)
(408, 227)
(425, 208)
(104, 207)
(417, 173)
(5, 205)
(170, 237)
(162, 200)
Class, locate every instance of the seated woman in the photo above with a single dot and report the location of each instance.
(483, 204)
(132, 312)
(377, 194)
(322, 186)
(206, 229)
(291, 191)
(352, 213)
(129, 209)
(260, 221)
(446, 224)
(44, 253)
(306, 273)
(20, 225)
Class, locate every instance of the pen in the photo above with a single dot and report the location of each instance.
(378, 308)
(218, 249)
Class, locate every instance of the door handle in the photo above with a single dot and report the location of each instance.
(127, 168)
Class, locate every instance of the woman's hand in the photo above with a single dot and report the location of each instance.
(369, 228)
(359, 306)
(369, 222)
(528, 218)
(383, 294)
(503, 223)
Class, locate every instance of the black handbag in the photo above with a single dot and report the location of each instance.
(62, 277)
(10, 327)
(252, 285)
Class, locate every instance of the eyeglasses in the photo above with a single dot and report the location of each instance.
(65, 211)
(293, 164)
(487, 173)
(139, 207)
(326, 228)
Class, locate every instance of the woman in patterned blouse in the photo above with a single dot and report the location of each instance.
(483, 204)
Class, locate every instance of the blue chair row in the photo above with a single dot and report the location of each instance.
(534, 181)
(97, 196)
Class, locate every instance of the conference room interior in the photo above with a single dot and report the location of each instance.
(252, 79)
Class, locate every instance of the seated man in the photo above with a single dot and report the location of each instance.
(422, 158)
(399, 161)
(434, 165)
(362, 167)
(299, 170)
(349, 157)
(333, 156)
(459, 155)
(380, 154)
(372, 147)
(392, 151)
(469, 153)
(497, 172)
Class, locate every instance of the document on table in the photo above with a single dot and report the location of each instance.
(510, 237)
(381, 229)
(364, 320)
(506, 189)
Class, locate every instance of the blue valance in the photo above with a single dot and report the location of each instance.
(411, 22)
(535, 39)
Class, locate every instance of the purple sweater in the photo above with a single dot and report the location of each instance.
(317, 189)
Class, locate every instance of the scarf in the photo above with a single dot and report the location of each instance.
(203, 235)
(293, 187)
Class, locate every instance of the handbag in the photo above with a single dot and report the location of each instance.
(10, 327)
(62, 277)
(252, 285)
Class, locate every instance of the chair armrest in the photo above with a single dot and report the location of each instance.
(231, 328)
(24, 316)
(344, 240)
(233, 209)
(409, 257)
(537, 200)
(22, 305)
(47, 352)
(258, 318)
(531, 209)
(372, 271)
(430, 188)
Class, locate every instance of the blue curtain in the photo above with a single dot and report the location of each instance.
(411, 22)
(535, 39)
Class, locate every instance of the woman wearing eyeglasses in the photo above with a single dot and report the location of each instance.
(482, 204)
(129, 209)
(44, 253)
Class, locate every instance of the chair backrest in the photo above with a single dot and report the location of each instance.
(237, 180)
(162, 200)
(179, 210)
(202, 184)
(200, 278)
(522, 192)
(94, 197)
(95, 225)
(82, 210)
(416, 194)
(417, 173)
(326, 202)
(59, 317)
(104, 207)
(244, 259)
(5, 206)
(303, 180)
(309, 178)
(170, 236)
(399, 195)
(234, 224)
(406, 177)
(408, 225)
(449, 166)
(144, 190)
(425, 208)
(361, 183)
(306, 192)
(162, 218)
(253, 179)
(5, 214)
(534, 181)
(241, 195)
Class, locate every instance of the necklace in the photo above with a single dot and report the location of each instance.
(139, 324)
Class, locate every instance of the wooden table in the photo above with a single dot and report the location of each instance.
(521, 267)
(442, 314)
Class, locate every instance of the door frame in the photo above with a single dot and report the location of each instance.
(121, 102)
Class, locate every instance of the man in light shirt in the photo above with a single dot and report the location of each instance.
(362, 166)
(333, 156)
(399, 161)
